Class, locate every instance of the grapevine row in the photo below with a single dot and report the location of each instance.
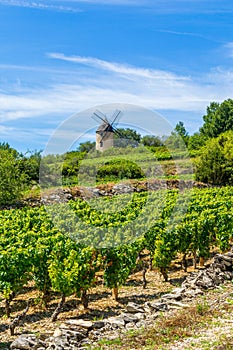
(63, 247)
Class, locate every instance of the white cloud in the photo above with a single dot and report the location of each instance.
(123, 69)
(108, 82)
(159, 6)
(4, 130)
(39, 5)
(68, 5)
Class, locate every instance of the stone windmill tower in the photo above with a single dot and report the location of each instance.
(106, 130)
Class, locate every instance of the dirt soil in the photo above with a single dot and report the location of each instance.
(101, 303)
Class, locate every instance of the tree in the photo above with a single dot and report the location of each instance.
(12, 181)
(181, 131)
(151, 141)
(86, 146)
(128, 137)
(30, 166)
(7, 147)
(196, 141)
(174, 142)
(72, 161)
(215, 163)
(219, 118)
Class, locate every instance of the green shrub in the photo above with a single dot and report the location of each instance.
(119, 169)
(215, 163)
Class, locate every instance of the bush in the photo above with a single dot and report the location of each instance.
(119, 169)
(12, 181)
(215, 163)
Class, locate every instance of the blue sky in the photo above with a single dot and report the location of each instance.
(58, 58)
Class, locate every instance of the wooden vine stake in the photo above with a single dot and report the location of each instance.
(144, 281)
(84, 299)
(195, 259)
(115, 293)
(201, 261)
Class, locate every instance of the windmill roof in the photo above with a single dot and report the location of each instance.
(104, 127)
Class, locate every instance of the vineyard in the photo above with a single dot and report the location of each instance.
(62, 248)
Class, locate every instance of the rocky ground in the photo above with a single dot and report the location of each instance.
(64, 194)
(191, 311)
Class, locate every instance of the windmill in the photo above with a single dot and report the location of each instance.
(106, 130)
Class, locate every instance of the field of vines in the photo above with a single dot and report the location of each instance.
(61, 248)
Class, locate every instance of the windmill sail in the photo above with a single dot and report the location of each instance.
(106, 130)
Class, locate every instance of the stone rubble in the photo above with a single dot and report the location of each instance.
(63, 195)
(79, 334)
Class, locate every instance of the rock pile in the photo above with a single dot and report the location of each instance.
(60, 195)
(63, 195)
(78, 334)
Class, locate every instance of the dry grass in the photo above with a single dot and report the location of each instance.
(181, 324)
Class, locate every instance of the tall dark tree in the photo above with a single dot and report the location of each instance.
(181, 131)
(178, 139)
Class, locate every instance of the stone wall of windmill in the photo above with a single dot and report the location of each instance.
(104, 137)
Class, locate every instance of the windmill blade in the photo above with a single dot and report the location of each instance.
(116, 116)
(116, 131)
(95, 118)
(100, 116)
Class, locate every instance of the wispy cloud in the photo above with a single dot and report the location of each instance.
(229, 48)
(159, 6)
(39, 5)
(179, 33)
(4, 130)
(111, 2)
(192, 34)
(118, 68)
(158, 91)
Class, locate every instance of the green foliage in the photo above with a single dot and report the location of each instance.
(118, 169)
(126, 137)
(5, 146)
(175, 142)
(32, 248)
(29, 166)
(181, 131)
(218, 119)
(165, 248)
(71, 163)
(196, 141)
(72, 268)
(86, 146)
(118, 263)
(215, 163)
(14, 270)
(151, 141)
(12, 181)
